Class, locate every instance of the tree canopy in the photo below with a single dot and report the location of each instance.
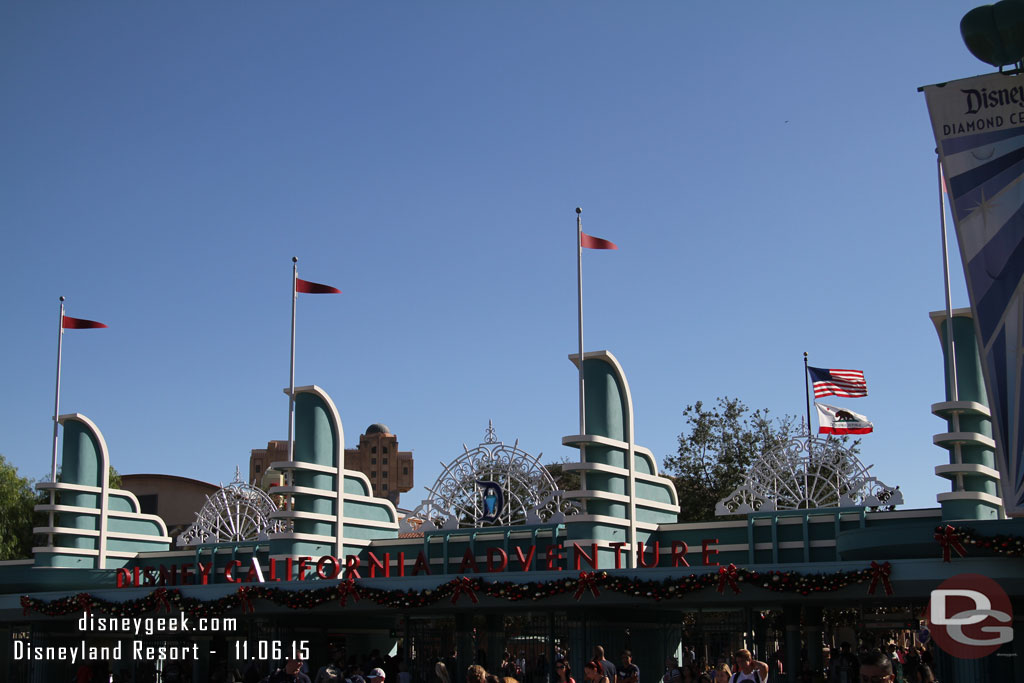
(17, 500)
(566, 480)
(716, 450)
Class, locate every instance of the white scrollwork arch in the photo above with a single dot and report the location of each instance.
(236, 512)
(491, 485)
(807, 473)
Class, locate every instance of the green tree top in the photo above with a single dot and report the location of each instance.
(17, 500)
(716, 451)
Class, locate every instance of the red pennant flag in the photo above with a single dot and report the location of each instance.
(70, 323)
(307, 287)
(591, 242)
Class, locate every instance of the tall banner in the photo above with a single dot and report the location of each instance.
(979, 130)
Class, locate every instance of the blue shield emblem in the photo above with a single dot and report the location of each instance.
(492, 500)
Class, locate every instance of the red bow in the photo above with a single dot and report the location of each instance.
(162, 601)
(245, 600)
(880, 571)
(728, 574)
(346, 589)
(949, 538)
(588, 580)
(84, 602)
(464, 585)
(26, 605)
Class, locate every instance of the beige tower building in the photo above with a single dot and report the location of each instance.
(377, 456)
(260, 459)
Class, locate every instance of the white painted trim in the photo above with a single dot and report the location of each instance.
(158, 554)
(976, 496)
(339, 459)
(388, 542)
(61, 486)
(123, 554)
(138, 537)
(594, 494)
(361, 476)
(293, 536)
(283, 465)
(596, 467)
(67, 531)
(301, 490)
(104, 476)
(822, 517)
(623, 472)
(120, 514)
(698, 526)
(375, 523)
(46, 507)
(795, 545)
(593, 439)
(970, 438)
(966, 468)
(903, 514)
(360, 498)
(297, 514)
(617, 521)
(972, 407)
(92, 552)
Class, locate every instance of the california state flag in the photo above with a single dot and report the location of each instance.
(832, 420)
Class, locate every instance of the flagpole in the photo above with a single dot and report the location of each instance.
(56, 393)
(807, 393)
(579, 291)
(291, 370)
(951, 350)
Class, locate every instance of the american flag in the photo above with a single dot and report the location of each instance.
(834, 382)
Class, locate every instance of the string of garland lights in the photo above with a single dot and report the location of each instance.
(953, 538)
(586, 585)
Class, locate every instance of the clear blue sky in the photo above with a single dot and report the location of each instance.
(767, 170)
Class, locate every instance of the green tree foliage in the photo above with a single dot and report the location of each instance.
(113, 478)
(717, 449)
(17, 500)
(566, 480)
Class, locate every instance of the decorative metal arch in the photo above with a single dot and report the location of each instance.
(491, 485)
(807, 473)
(236, 512)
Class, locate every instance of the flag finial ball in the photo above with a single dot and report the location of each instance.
(62, 298)
(295, 259)
(579, 210)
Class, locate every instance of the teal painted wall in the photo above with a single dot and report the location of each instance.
(970, 386)
(605, 403)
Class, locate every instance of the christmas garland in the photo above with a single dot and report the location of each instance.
(952, 539)
(588, 585)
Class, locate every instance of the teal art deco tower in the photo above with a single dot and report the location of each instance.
(974, 479)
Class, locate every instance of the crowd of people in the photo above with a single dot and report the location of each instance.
(893, 664)
(907, 665)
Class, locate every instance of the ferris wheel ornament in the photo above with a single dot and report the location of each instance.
(806, 473)
(493, 484)
(234, 513)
